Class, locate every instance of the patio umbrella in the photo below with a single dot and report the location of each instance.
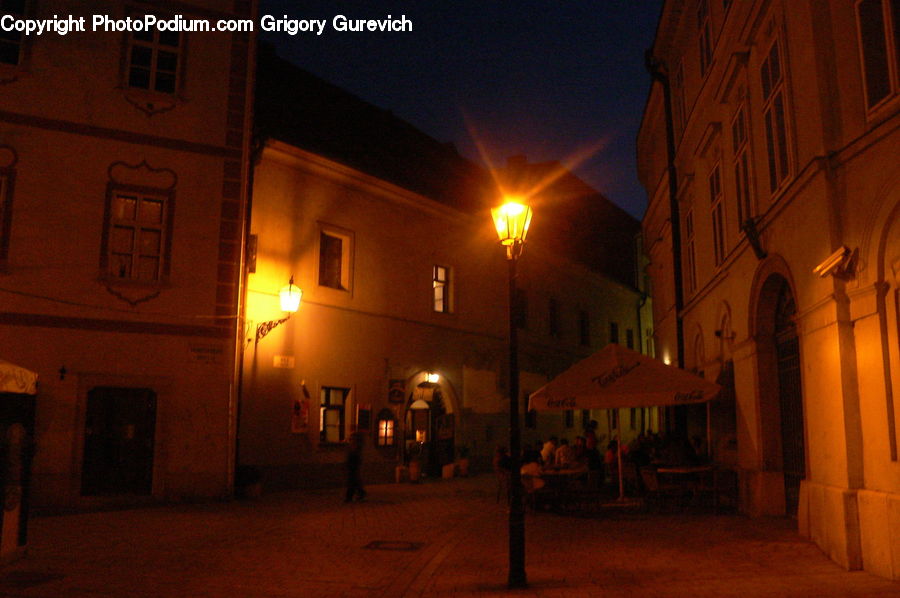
(17, 379)
(616, 377)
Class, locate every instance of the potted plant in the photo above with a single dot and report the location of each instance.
(462, 460)
(413, 455)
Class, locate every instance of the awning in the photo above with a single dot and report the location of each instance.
(618, 377)
(17, 379)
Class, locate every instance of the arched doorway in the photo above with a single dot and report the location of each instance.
(429, 428)
(781, 394)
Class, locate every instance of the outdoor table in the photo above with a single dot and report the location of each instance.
(693, 478)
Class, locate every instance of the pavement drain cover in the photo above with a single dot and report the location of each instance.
(27, 579)
(394, 545)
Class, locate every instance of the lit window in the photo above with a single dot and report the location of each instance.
(690, 257)
(11, 41)
(879, 34)
(704, 25)
(441, 284)
(334, 259)
(775, 115)
(386, 425)
(154, 60)
(718, 214)
(331, 413)
(136, 236)
(741, 148)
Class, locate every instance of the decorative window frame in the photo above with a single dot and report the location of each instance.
(690, 253)
(705, 36)
(717, 214)
(141, 179)
(148, 100)
(742, 163)
(10, 72)
(780, 160)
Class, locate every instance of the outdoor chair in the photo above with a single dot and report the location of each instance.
(661, 493)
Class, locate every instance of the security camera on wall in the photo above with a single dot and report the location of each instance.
(836, 264)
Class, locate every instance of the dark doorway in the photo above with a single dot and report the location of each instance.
(118, 441)
(787, 353)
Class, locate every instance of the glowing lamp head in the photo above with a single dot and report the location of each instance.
(512, 220)
(432, 377)
(290, 296)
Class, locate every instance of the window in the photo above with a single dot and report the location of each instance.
(613, 332)
(334, 259)
(441, 284)
(11, 41)
(154, 60)
(879, 35)
(6, 182)
(584, 329)
(531, 419)
(775, 115)
(331, 413)
(740, 147)
(704, 26)
(689, 254)
(629, 338)
(136, 242)
(570, 418)
(632, 416)
(585, 418)
(554, 322)
(718, 215)
(386, 424)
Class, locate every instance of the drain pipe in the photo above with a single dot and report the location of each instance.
(657, 73)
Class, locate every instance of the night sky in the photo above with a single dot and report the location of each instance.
(553, 80)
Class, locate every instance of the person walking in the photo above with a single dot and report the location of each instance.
(354, 465)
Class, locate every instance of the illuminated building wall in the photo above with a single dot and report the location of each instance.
(372, 326)
(784, 117)
(122, 184)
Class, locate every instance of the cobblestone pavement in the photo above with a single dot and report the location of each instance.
(444, 538)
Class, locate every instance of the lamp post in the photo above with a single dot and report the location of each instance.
(511, 221)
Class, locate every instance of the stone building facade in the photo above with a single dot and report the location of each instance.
(123, 169)
(779, 211)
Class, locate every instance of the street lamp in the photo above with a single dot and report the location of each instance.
(511, 221)
(289, 297)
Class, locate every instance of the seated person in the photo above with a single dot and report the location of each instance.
(531, 474)
(564, 455)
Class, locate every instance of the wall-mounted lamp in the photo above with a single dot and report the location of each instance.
(432, 377)
(289, 296)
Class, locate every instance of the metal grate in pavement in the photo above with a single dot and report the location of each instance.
(399, 545)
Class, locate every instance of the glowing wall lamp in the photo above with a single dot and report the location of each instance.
(432, 377)
(289, 296)
(512, 220)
